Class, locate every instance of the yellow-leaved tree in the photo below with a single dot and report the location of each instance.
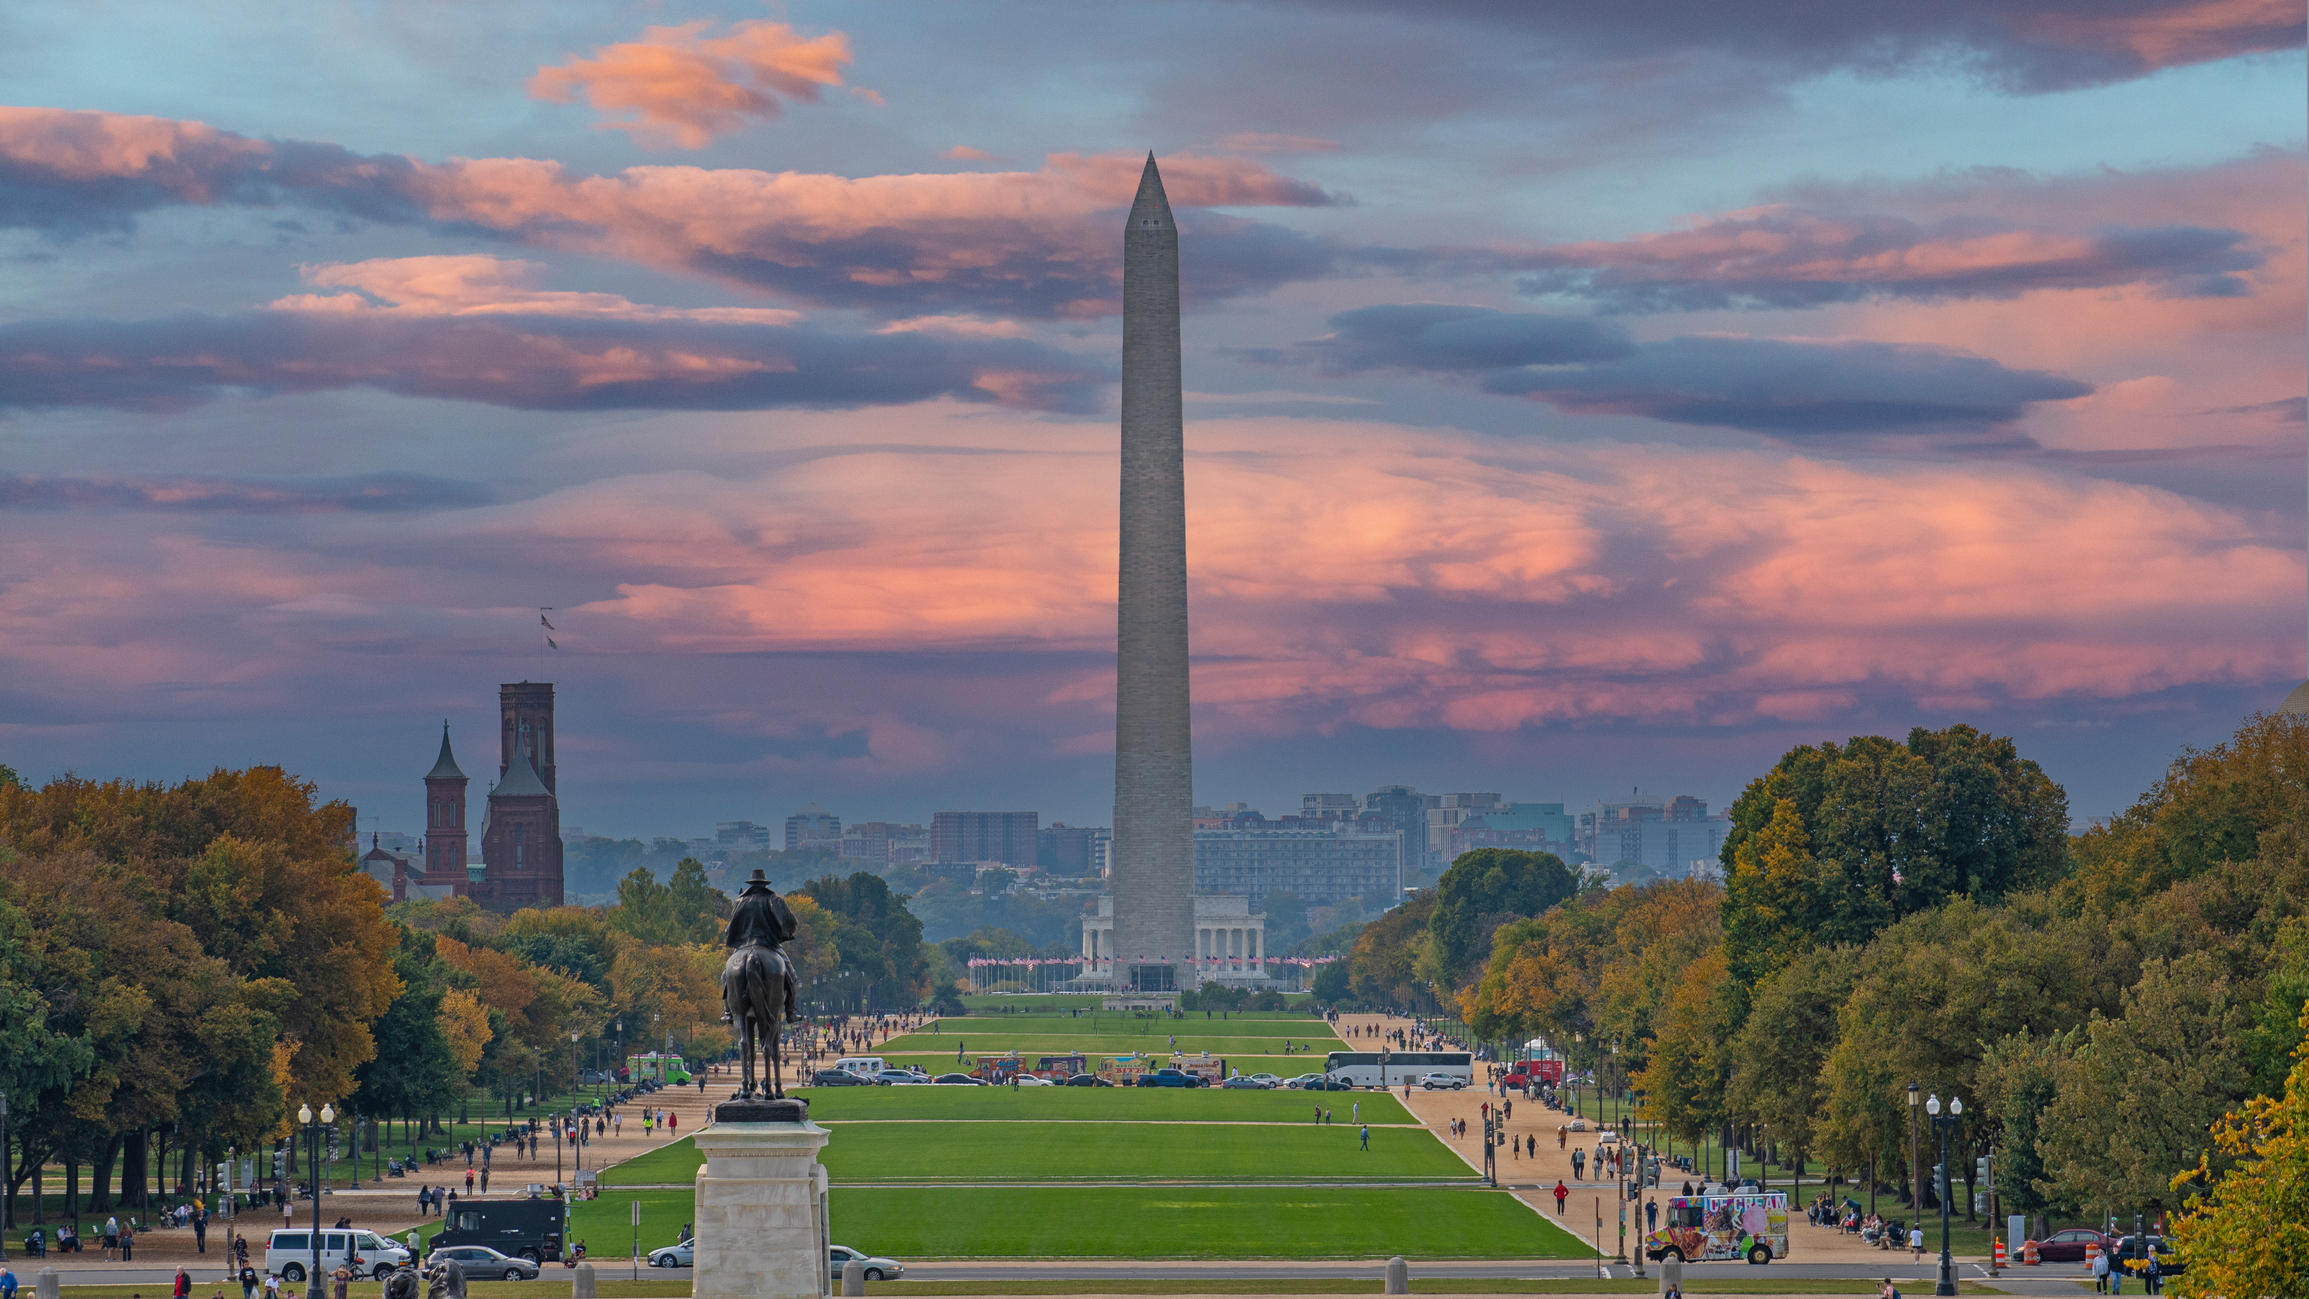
(2248, 1233)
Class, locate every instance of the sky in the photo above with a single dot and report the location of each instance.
(1580, 397)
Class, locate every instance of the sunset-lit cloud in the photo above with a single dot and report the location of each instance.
(681, 86)
(1015, 241)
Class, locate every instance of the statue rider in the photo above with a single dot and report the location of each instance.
(762, 918)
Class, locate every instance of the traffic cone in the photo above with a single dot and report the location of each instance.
(1999, 1261)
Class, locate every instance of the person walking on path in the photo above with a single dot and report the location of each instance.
(1318, 1114)
(1562, 1193)
(485, 1179)
(1366, 1136)
(183, 1284)
(1579, 1165)
(248, 1281)
(111, 1239)
(1355, 1112)
(1651, 1215)
(1916, 1243)
(469, 1179)
(127, 1243)
(200, 1231)
(672, 1123)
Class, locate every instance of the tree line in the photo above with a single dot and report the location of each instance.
(1917, 912)
(182, 967)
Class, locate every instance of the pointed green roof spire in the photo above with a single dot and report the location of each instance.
(445, 767)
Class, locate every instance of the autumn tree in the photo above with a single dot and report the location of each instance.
(1380, 968)
(1483, 890)
(2245, 1230)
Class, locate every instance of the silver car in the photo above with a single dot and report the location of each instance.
(484, 1263)
(877, 1269)
(683, 1254)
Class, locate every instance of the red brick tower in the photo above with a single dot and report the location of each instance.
(521, 840)
(445, 819)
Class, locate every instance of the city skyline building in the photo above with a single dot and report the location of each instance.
(1153, 853)
(1006, 837)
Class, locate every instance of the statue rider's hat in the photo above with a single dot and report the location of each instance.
(757, 883)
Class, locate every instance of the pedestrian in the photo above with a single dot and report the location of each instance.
(1562, 1193)
(672, 1123)
(1916, 1242)
(1326, 1114)
(424, 1201)
(1355, 1112)
(183, 1283)
(485, 1178)
(248, 1281)
(1651, 1215)
(7, 1282)
(1366, 1136)
(1531, 1144)
(338, 1280)
(272, 1284)
(469, 1179)
(200, 1230)
(2153, 1275)
(111, 1239)
(1579, 1164)
(127, 1242)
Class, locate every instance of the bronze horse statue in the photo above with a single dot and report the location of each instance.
(758, 985)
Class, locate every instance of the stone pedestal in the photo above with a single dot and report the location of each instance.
(761, 1208)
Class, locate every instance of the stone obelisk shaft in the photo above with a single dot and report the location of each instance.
(1154, 847)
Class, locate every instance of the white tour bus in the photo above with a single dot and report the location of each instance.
(1363, 1068)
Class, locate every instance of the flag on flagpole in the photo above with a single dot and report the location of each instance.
(552, 642)
(547, 625)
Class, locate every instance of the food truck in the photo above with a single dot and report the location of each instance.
(1720, 1228)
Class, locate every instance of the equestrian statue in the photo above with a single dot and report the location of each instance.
(758, 983)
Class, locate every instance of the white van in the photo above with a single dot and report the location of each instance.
(865, 1066)
(290, 1252)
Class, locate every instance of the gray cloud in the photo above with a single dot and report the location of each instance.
(525, 362)
(202, 494)
(1444, 337)
(1789, 257)
(2021, 45)
(1773, 386)
(1794, 389)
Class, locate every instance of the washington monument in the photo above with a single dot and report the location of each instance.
(1153, 877)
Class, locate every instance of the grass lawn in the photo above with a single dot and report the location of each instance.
(1209, 1104)
(1209, 1222)
(1094, 1152)
(614, 1285)
(1137, 1222)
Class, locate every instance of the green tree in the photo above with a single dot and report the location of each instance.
(1331, 986)
(1483, 890)
(1783, 1043)
(875, 933)
(1898, 829)
(414, 1073)
(1379, 969)
(2212, 806)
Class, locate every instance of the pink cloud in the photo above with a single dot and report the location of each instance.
(964, 153)
(475, 285)
(1031, 242)
(680, 86)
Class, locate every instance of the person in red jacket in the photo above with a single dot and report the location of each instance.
(1562, 1193)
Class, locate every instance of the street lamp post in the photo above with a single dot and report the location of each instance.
(1943, 1126)
(7, 1219)
(1576, 1039)
(1915, 1187)
(356, 1152)
(313, 1182)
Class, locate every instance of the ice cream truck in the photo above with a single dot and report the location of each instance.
(1721, 1228)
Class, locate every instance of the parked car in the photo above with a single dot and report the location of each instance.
(876, 1268)
(899, 1078)
(2068, 1244)
(1032, 1080)
(1172, 1078)
(1245, 1082)
(483, 1263)
(838, 1078)
(1088, 1080)
(1272, 1080)
(1443, 1082)
(1327, 1083)
(683, 1254)
(959, 1080)
(1303, 1081)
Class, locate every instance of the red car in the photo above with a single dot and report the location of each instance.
(2068, 1244)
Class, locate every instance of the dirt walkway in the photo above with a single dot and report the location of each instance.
(1533, 1176)
(391, 1209)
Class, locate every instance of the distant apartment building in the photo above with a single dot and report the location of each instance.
(1669, 837)
(813, 827)
(1006, 837)
(871, 842)
(742, 836)
(1526, 827)
(1064, 849)
(1323, 862)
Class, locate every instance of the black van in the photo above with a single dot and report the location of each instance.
(530, 1229)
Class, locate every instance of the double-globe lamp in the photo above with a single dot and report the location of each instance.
(313, 1161)
(1943, 1126)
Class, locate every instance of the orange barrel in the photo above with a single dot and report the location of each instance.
(2028, 1253)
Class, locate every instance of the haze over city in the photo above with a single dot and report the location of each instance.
(1575, 400)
